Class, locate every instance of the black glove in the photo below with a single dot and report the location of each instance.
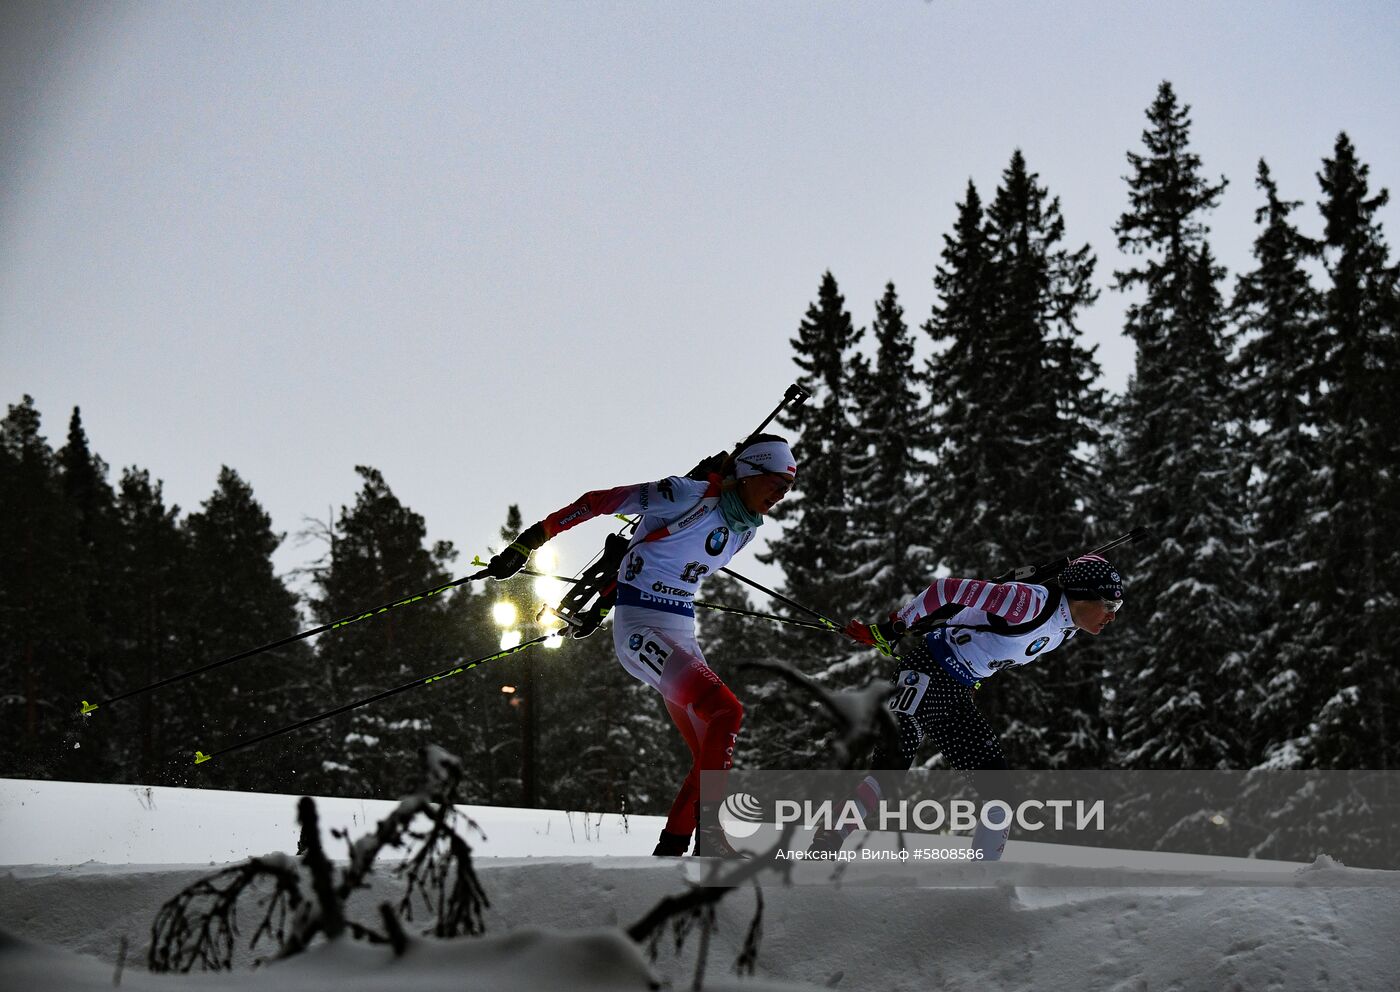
(506, 563)
(592, 618)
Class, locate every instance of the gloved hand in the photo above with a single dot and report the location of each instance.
(511, 560)
(880, 636)
(506, 563)
(588, 621)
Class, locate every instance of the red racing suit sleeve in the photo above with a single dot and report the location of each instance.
(597, 503)
(1014, 602)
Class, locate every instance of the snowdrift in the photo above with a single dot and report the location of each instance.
(563, 887)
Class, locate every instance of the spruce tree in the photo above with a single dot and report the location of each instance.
(42, 561)
(379, 553)
(820, 549)
(889, 483)
(1276, 309)
(470, 709)
(815, 549)
(90, 504)
(149, 577)
(1018, 412)
(522, 675)
(1031, 453)
(966, 289)
(85, 486)
(236, 600)
(1178, 641)
(1052, 411)
(1357, 591)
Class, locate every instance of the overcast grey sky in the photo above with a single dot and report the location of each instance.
(506, 252)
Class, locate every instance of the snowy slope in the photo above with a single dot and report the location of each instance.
(137, 824)
(553, 920)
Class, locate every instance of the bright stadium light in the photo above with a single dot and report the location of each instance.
(554, 643)
(504, 613)
(550, 590)
(510, 639)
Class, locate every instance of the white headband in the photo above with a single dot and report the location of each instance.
(766, 456)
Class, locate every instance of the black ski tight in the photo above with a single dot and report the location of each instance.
(934, 707)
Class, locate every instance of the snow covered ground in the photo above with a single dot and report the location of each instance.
(86, 866)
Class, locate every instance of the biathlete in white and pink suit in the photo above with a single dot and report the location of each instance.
(983, 628)
(690, 528)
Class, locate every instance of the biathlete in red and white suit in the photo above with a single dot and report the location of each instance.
(689, 528)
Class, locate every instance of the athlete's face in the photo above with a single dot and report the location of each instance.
(762, 492)
(1091, 615)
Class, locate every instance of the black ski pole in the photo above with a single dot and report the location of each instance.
(760, 615)
(700, 603)
(200, 757)
(476, 560)
(827, 623)
(88, 707)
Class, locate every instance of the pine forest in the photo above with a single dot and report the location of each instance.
(1255, 441)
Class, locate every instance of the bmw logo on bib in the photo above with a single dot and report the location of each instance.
(634, 642)
(718, 538)
(1037, 645)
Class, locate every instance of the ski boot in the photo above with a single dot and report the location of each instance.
(825, 843)
(989, 844)
(710, 839)
(671, 845)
